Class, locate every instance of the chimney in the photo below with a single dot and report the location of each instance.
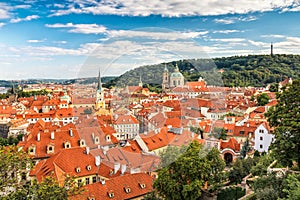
(52, 135)
(103, 181)
(38, 137)
(87, 150)
(93, 137)
(116, 167)
(97, 161)
(123, 169)
(71, 132)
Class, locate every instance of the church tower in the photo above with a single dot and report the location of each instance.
(271, 49)
(166, 81)
(141, 82)
(100, 101)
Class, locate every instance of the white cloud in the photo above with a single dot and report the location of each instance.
(2, 24)
(80, 28)
(232, 20)
(35, 41)
(4, 11)
(228, 31)
(60, 42)
(28, 18)
(273, 36)
(228, 40)
(173, 8)
(155, 34)
(259, 44)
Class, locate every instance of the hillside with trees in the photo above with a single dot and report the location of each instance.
(251, 70)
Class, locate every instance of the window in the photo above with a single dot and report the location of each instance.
(261, 131)
(67, 145)
(142, 185)
(87, 181)
(242, 132)
(261, 138)
(261, 146)
(77, 169)
(89, 167)
(111, 194)
(94, 179)
(127, 189)
(79, 182)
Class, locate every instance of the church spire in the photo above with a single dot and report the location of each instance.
(141, 82)
(99, 87)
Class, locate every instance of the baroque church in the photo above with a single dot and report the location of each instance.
(175, 79)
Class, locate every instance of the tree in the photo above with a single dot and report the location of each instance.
(292, 187)
(186, 177)
(269, 187)
(246, 148)
(219, 133)
(274, 87)
(263, 99)
(14, 165)
(285, 118)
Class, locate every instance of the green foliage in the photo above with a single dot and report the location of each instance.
(251, 70)
(268, 187)
(245, 149)
(197, 130)
(185, 178)
(274, 87)
(10, 140)
(284, 117)
(241, 168)
(260, 168)
(262, 99)
(219, 133)
(231, 193)
(292, 187)
(15, 163)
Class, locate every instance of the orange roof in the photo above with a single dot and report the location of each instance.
(126, 119)
(45, 129)
(68, 161)
(231, 144)
(159, 140)
(137, 184)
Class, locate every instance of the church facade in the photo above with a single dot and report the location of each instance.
(175, 79)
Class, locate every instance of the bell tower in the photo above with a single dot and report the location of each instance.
(100, 101)
(166, 81)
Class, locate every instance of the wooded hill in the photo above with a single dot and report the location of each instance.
(251, 70)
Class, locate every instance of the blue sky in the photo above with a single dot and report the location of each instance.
(69, 39)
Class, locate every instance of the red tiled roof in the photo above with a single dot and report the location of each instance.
(126, 119)
(231, 144)
(139, 185)
(159, 140)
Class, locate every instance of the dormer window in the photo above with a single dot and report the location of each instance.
(110, 194)
(91, 198)
(81, 143)
(67, 145)
(77, 169)
(96, 140)
(107, 138)
(127, 189)
(89, 167)
(31, 150)
(142, 185)
(50, 149)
